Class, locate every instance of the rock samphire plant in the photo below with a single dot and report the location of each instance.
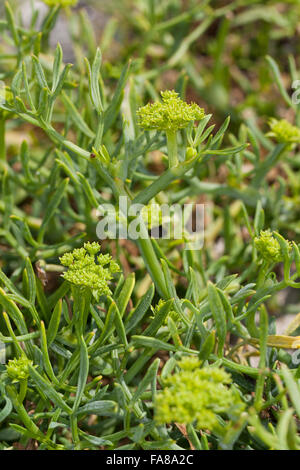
(148, 342)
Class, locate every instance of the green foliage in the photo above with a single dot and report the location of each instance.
(150, 344)
(197, 395)
(170, 115)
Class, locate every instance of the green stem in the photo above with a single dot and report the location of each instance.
(99, 133)
(74, 430)
(23, 390)
(49, 23)
(193, 437)
(172, 148)
(251, 371)
(262, 275)
(81, 305)
(156, 187)
(258, 400)
(152, 264)
(164, 180)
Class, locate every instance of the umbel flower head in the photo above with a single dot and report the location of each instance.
(62, 3)
(87, 270)
(17, 369)
(269, 247)
(169, 115)
(197, 395)
(283, 131)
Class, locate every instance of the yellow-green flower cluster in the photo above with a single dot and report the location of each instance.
(62, 3)
(169, 115)
(172, 313)
(197, 395)
(17, 369)
(87, 270)
(269, 247)
(283, 131)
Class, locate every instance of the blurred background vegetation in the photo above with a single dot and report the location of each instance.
(218, 47)
(237, 59)
(213, 53)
